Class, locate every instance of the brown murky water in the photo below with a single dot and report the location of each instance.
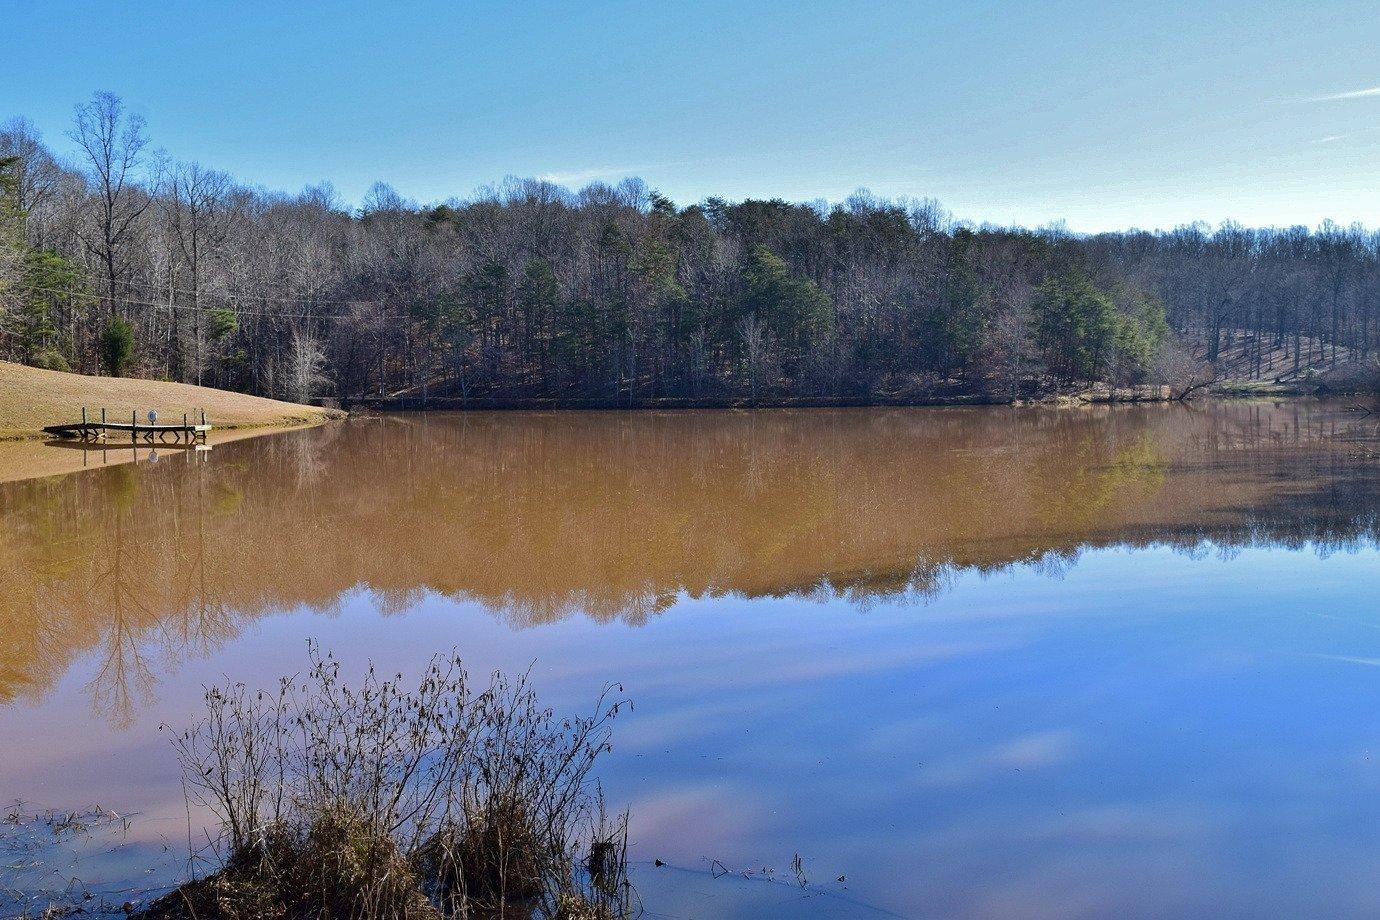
(719, 563)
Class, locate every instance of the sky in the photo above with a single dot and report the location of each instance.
(1098, 113)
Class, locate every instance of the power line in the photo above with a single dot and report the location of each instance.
(165, 305)
(297, 299)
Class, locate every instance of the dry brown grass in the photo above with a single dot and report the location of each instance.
(31, 398)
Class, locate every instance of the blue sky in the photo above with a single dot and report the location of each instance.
(1104, 114)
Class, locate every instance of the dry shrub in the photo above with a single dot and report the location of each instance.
(349, 867)
(372, 801)
(340, 867)
(494, 864)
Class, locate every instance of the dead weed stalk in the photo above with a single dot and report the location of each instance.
(385, 801)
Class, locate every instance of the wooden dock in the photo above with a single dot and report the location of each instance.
(88, 429)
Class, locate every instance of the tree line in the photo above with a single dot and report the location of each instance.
(125, 261)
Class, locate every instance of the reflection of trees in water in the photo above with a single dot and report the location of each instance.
(134, 581)
(123, 671)
(207, 618)
(932, 579)
(542, 516)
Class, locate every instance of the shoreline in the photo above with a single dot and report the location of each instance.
(26, 435)
(39, 456)
(28, 455)
(1094, 395)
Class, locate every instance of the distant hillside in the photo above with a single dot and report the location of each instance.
(31, 398)
(1244, 355)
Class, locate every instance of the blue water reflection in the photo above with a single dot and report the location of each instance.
(1125, 727)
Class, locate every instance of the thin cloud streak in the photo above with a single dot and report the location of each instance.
(1353, 94)
(588, 175)
(572, 176)
(1333, 138)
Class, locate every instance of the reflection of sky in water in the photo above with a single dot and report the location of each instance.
(1148, 734)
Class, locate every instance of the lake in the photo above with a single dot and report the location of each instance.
(970, 662)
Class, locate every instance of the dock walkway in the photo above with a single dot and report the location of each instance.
(90, 430)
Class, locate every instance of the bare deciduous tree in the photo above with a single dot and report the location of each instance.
(306, 361)
(36, 173)
(200, 212)
(1183, 372)
(113, 142)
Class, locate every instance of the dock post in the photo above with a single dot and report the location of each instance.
(133, 425)
(84, 432)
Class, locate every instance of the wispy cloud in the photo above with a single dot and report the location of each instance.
(577, 176)
(1333, 138)
(590, 174)
(1352, 94)
(1350, 659)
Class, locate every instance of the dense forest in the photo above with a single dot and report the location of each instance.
(128, 262)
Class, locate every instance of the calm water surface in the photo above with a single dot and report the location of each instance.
(980, 662)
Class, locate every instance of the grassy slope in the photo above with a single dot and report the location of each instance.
(31, 398)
